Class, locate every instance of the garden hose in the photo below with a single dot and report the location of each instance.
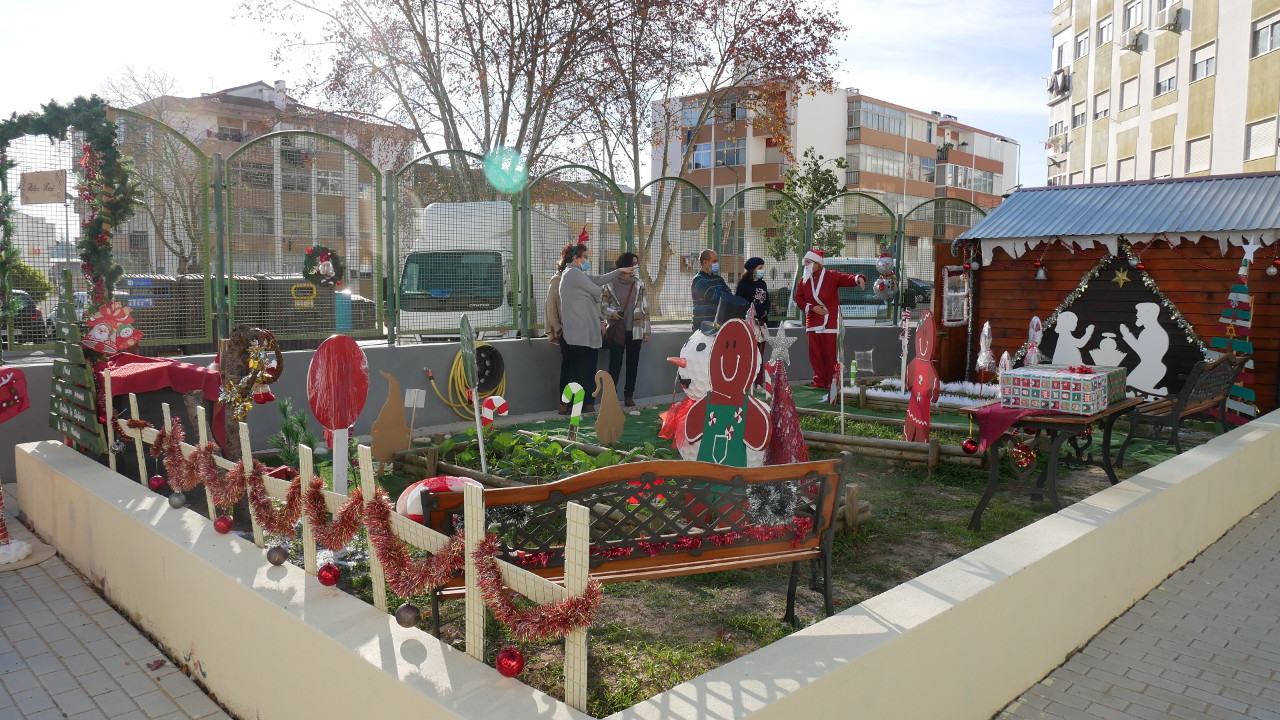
(458, 399)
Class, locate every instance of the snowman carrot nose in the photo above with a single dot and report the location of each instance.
(682, 362)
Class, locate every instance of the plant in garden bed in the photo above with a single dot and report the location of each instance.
(537, 459)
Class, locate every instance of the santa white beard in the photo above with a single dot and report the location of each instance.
(808, 270)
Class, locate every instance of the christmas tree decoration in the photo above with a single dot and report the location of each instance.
(111, 329)
(156, 483)
(1023, 455)
(323, 266)
(786, 441)
(277, 555)
(223, 524)
(969, 446)
(177, 500)
(780, 346)
(14, 398)
(510, 662)
(329, 574)
(408, 615)
(1235, 324)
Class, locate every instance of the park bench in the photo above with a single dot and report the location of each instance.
(668, 518)
(1206, 389)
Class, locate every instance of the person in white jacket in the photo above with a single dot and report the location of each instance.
(582, 327)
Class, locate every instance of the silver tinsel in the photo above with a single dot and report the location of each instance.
(773, 503)
(508, 515)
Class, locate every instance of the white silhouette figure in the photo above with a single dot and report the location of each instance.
(1107, 353)
(1150, 346)
(1067, 351)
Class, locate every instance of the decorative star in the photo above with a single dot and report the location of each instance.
(1251, 246)
(1231, 330)
(781, 346)
(1122, 277)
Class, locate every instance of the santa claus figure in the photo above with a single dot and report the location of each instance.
(818, 296)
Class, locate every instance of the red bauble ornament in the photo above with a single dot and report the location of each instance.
(156, 482)
(1037, 264)
(510, 662)
(970, 446)
(968, 266)
(1142, 267)
(329, 574)
(222, 524)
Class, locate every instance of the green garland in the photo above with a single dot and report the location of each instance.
(9, 256)
(311, 266)
(105, 181)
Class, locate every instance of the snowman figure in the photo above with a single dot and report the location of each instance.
(325, 268)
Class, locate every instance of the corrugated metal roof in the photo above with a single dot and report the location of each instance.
(1177, 205)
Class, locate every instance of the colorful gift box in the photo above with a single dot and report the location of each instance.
(1078, 390)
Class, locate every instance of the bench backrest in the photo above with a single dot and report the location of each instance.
(1210, 381)
(649, 514)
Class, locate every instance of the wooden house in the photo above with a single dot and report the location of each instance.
(1152, 275)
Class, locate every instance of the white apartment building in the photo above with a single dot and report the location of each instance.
(1143, 89)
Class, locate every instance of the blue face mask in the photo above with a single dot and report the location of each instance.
(715, 267)
(760, 274)
(586, 265)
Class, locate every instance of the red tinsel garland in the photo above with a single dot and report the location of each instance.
(203, 468)
(279, 521)
(336, 533)
(406, 577)
(543, 622)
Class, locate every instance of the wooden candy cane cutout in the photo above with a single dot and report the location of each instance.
(573, 393)
(492, 405)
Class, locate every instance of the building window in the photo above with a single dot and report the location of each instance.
(692, 202)
(1057, 128)
(1266, 35)
(1076, 178)
(1098, 174)
(866, 114)
(1129, 93)
(1198, 154)
(297, 223)
(1166, 78)
(253, 221)
(853, 134)
(731, 152)
(1162, 162)
(1079, 114)
(295, 179)
(1061, 58)
(880, 161)
(689, 114)
(1133, 14)
(331, 225)
(1124, 169)
(730, 111)
(1259, 142)
(1102, 105)
(1082, 44)
(724, 193)
(984, 181)
(329, 182)
(701, 156)
(138, 240)
(1204, 62)
(252, 175)
(1104, 31)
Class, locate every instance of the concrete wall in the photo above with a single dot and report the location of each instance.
(532, 368)
(958, 642)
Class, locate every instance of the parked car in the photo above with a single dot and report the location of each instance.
(29, 324)
(917, 292)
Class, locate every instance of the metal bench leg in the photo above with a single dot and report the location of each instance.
(790, 617)
(435, 612)
(828, 604)
(1133, 431)
(1173, 435)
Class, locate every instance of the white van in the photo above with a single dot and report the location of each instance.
(459, 261)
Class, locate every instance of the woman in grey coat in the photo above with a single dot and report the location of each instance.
(582, 332)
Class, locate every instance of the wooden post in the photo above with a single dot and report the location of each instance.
(473, 533)
(369, 488)
(935, 449)
(203, 426)
(111, 434)
(577, 551)
(137, 440)
(306, 470)
(246, 459)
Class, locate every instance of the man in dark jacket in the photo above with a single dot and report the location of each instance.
(707, 289)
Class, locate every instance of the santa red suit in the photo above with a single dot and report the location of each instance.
(821, 288)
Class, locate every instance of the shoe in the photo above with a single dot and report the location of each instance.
(563, 410)
(629, 401)
(588, 409)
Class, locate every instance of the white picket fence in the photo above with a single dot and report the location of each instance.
(534, 587)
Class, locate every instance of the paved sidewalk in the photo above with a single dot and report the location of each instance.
(65, 653)
(1205, 644)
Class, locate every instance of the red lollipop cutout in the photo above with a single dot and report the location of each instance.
(337, 387)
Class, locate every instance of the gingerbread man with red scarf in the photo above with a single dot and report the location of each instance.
(818, 296)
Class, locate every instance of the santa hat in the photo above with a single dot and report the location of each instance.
(815, 255)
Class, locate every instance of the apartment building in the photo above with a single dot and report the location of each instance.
(1142, 89)
(899, 155)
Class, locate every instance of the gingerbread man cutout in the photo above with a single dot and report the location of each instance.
(727, 416)
(922, 381)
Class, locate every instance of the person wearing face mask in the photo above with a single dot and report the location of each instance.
(581, 326)
(625, 308)
(753, 288)
(707, 289)
(818, 296)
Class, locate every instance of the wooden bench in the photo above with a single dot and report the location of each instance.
(1207, 388)
(668, 518)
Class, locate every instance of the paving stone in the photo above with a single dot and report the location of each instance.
(59, 682)
(156, 704)
(197, 704)
(74, 702)
(33, 701)
(116, 702)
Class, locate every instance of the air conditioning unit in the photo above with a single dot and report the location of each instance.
(1131, 39)
(1169, 18)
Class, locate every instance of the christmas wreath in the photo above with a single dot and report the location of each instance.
(323, 266)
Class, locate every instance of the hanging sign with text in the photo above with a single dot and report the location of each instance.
(49, 186)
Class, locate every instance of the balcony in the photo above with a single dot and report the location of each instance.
(767, 172)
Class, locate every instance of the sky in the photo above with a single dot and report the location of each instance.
(983, 61)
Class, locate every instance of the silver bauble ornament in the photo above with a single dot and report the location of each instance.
(408, 615)
(177, 500)
(884, 265)
(277, 555)
(1272, 271)
(883, 288)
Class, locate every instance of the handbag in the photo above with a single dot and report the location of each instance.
(615, 333)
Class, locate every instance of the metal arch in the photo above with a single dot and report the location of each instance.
(624, 203)
(433, 154)
(717, 222)
(665, 178)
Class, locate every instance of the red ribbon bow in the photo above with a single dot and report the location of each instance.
(1080, 369)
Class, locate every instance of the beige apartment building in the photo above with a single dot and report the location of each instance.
(1142, 89)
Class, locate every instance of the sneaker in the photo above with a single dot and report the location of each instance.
(629, 401)
(563, 409)
(588, 409)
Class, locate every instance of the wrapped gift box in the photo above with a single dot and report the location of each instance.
(1056, 387)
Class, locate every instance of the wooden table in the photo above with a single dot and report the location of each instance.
(1054, 430)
